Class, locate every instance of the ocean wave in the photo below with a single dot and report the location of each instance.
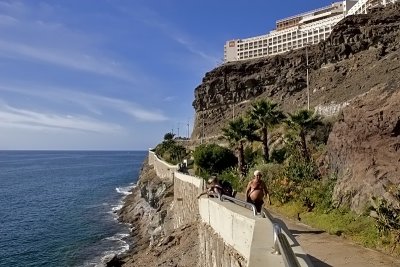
(120, 246)
(126, 190)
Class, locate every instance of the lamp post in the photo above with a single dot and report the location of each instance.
(308, 82)
(202, 128)
(187, 129)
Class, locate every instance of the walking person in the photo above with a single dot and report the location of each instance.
(256, 191)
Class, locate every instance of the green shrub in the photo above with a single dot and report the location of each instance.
(299, 170)
(387, 217)
(170, 151)
(278, 155)
(231, 175)
(316, 194)
(213, 159)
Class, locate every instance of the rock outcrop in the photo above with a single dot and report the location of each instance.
(364, 147)
(155, 241)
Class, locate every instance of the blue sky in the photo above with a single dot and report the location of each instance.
(114, 74)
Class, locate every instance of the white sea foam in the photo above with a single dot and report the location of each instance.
(118, 237)
(120, 247)
(116, 208)
(125, 190)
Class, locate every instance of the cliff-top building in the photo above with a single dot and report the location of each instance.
(297, 31)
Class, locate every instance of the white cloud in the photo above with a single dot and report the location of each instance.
(134, 110)
(7, 20)
(169, 98)
(93, 103)
(11, 117)
(70, 59)
(150, 17)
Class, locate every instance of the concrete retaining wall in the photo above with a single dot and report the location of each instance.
(215, 252)
(163, 169)
(186, 204)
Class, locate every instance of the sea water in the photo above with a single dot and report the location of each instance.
(57, 208)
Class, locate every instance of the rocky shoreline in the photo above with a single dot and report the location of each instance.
(155, 242)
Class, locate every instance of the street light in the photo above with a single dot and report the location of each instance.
(308, 81)
(187, 129)
(308, 86)
(202, 128)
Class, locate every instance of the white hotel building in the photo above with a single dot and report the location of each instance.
(297, 31)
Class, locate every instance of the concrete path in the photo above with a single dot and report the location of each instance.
(327, 250)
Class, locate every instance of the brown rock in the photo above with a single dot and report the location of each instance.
(364, 147)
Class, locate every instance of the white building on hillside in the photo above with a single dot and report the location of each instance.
(296, 31)
(362, 6)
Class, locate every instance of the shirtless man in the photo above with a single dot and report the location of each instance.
(256, 190)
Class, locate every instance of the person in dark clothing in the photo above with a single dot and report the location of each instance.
(213, 187)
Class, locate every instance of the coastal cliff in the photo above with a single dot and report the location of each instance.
(357, 64)
(166, 226)
(149, 211)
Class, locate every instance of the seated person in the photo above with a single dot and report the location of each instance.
(213, 186)
(256, 190)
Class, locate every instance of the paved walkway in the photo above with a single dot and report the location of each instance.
(327, 250)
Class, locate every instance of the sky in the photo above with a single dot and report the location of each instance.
(115, 74)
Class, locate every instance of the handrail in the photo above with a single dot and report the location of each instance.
(282, 246)
(288, 255)
(236, 201)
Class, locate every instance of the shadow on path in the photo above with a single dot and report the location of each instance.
(318, 263)
(298, 232)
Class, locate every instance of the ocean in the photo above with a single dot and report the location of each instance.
(57, 208)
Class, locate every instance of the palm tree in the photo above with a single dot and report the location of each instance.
(265, 114)
(302, 122)
(237, 133)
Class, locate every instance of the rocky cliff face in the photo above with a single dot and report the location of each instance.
(354, 59)
(358, 68)
(156, 243)
(364, 147)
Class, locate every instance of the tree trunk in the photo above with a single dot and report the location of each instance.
(264, 137)
(241, 164)
(304, 146)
